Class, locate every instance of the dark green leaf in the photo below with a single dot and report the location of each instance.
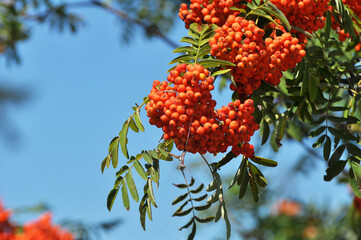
(317, 132)
(201, 198)
(327, 148)
(180, 198)
(254, 188)
(122, 170)
(131, 186)
(264, 128)
(187, 224)
(264, 161)
(337, 109)
(192, 182)
(243, 185)
(212, 186)
(199, 189)
(193, 233)
(337, 119)
(142, 212)
(113, 150)
(337, 154)
(183, 213)
(354, 150)
(229, 156)
(181, 185)
(205, 220)
(204, 207)
(335, 169)
(319, 141)
(278, 14)
(239, 174)
(351, 120)
(111, 197)
(189, 40)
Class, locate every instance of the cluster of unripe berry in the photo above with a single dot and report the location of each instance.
(183, 107)
(241, 42)
(305, 14)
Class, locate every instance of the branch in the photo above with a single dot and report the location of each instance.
(119, 13)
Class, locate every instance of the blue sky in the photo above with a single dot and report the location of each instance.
(82, 89)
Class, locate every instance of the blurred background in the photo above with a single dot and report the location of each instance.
(70, 73)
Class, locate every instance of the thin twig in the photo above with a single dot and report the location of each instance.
(110, 9)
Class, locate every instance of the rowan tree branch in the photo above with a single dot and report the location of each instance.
(148, 28)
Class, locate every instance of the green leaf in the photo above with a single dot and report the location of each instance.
(264, 128)
(354, 150)
(198, 190)
(313, 89)
(193, 233)
(243, 185)
(354, 184)
(337, 109)
(204, 207)
(239, 174)
(212, 186)
(181, 185)
(277, 13)
(182, 213)
(137, 120)
(105, 162)
(187, 224)
(189, 40)
(118, 181)
(133, 126)
(352, 120)
(185, 49)
(254, 188)
(305, 82)
(111, 197)
(337, 154)
(328, 26)
(215, 62)
(138, 167)
(125, 196)
(220, 72)
(335, 169)
(264, 161)
(337, 119)
(294, 131)
(122, 170)
(229, 156)
(131, 186)
(319, 141)
(154, 174)
(204, 220)
(192, 182)
(327, 148)
(201, 198)
(356, 168)
(147, 157)
(123, 137)
(317, 132)
(257, 174)
(114, 146)
(182, 58)
(150, 192)
(142, 212)
(180, 198)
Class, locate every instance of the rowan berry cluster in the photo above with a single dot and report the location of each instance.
(207, 11)
(186, 113)
(305, 14)
(241, 42)
(41, 229)
(355, 6)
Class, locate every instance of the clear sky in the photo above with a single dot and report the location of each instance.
(82, 89)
